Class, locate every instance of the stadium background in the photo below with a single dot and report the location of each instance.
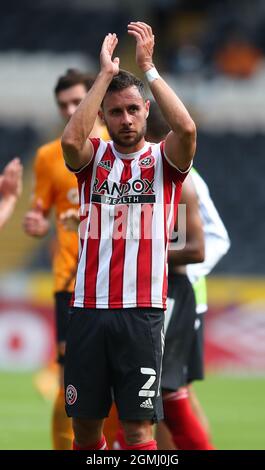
(213, 53)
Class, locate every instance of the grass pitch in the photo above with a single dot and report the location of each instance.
(24, 415)
(235, 407)
(236, 410)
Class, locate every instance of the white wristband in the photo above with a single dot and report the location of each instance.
(151, 75)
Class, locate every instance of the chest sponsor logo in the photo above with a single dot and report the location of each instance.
(139, 191)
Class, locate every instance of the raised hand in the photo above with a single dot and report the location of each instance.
(11, 179)
(145, 42)
(107, 63)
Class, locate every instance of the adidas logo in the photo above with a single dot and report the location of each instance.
(147, 404)
(106, 165)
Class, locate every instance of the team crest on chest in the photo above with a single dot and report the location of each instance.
(146, 162)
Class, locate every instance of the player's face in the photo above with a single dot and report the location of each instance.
(69, 99)
(125, 114)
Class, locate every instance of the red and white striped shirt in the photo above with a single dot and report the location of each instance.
(128, 206)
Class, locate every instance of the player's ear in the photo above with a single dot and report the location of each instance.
(147, 107)
(101, 115)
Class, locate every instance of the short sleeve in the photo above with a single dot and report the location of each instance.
(172, 172)
(83, 172)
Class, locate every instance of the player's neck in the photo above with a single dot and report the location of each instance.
(133, 149)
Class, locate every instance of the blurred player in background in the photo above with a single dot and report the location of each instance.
(10, 189)
(56, 187)
(184, 343)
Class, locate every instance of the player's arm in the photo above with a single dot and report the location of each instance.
(36, 220)
(181, 141)
(217, 243)
(70, 220)
(10, 189)
(77, 149)
(193, 252)
(7, 206)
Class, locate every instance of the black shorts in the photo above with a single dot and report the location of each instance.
(180, 317)
(62, 300)
(196, 360)
(114, 353)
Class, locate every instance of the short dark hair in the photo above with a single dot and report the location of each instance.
(124, 80)
(71, 78)
(157, 126)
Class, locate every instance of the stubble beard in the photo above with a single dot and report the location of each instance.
(127, 143)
